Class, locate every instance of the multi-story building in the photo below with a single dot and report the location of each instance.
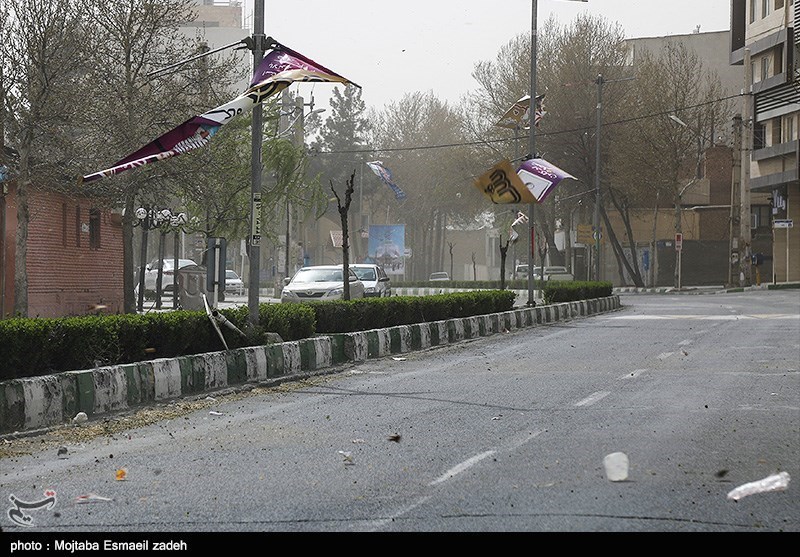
(763, 43)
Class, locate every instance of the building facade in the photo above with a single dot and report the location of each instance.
(764, 45)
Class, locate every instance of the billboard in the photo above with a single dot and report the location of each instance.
(387, 244)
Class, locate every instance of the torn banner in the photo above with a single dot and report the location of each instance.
(386, 176)
(517, 116)
(532, 183)
(280, 68)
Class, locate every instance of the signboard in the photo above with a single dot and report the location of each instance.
(678, 241)
(782, 223)
(386, 247)
(585, 234)
(255, 219)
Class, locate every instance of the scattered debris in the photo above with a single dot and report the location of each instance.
(721, 473)
(121, 475)
(347, 456)
(398, 359)
(149, 350)
(775, 482)
(496, 417)
(358, 441)
(62, 452)
(215, 413)
(211, 398)
(80, 418)
(616, 465)
(684, 352)
(395, 438)
(91, 498)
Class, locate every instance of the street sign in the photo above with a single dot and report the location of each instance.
(782, 223)
(585, 234)
(678, 241)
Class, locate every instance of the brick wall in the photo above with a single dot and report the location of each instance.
(69, 272)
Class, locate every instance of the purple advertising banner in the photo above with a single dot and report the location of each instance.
(280, 68)
(541, 177)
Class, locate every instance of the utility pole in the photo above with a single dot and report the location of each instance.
(596, 220)
(254, 248)
(733, 224)
(532, 153)
(747, 145)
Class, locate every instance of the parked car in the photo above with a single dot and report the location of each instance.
(167, 276)
(233, 283)
(441, 275)
(550, 273)
(521, 272)
(320, 283)
(376, 281)
(557, 273)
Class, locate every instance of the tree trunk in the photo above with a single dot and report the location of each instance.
(129, 299)
(21, 255)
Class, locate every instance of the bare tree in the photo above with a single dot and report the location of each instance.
(43, 56)
(343, 210)
(656, 156)
(131, 106)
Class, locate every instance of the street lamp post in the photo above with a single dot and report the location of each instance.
(532, 152)
(532, 149)
(150, 218)
(254, 245)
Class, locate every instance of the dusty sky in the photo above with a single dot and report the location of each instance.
(391, 47)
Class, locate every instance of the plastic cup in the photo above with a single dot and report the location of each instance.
(616, 465)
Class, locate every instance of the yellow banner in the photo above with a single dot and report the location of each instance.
(502, 185)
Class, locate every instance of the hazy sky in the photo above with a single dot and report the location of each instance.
(391, 47)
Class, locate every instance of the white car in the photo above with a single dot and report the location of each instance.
(439, 276)
(233, 283)
(320, 283)
(376, 281)
(167, 276)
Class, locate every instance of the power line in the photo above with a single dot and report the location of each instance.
(505, 140)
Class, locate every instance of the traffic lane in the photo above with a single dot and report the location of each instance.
(282, 452)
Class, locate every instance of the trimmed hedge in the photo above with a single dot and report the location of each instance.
(40, 346)
(378, 313)
(556, 292)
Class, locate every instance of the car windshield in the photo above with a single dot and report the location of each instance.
(168, 263)
(231, 274)
(364, 273)
(318, 275)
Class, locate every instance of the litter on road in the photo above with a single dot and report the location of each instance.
(775, 482)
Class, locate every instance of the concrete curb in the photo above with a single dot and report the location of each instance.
(45, 401)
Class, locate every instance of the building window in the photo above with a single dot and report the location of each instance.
(759, 135)
(764, 8)
(94, 229)
(788, 128)
(776, 131)
(752, 11)
(778, 5)
(760, 216)
(764, 68)
(77, 226)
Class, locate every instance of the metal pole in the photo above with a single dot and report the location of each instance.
(744, 190)
(254, 253)
(532, 153)
(599, 82)
(145, 225)
(175, 247)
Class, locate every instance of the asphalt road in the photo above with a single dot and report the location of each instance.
(500, 434)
